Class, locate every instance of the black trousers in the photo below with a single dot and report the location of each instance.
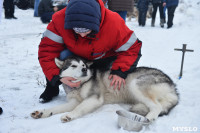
(142, 17)
(170, 11)
(155, 6)
(46, 17)
(9, 8)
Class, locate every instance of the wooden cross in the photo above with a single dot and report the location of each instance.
(183, 50)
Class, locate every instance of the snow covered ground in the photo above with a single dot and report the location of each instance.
(22, 80)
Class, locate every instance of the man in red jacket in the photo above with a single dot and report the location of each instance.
(89, 30)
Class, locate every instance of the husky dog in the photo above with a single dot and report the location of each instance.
(150, 92)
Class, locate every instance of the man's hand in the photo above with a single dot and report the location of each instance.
(68, 81)
(116, 81)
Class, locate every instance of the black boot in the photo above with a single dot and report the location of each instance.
(162, 23)
(1, 110)
(7, 14)
(49, 92)
(14, 17)
(153, 23)
(7, 17)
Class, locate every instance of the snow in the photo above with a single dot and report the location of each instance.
(22, 80)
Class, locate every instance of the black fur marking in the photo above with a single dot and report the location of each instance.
(169, 110)
(51, 114)
(33, 114)
(68, 61)
(95, 89)
(154, 73)
(103, 64)
(40, 115)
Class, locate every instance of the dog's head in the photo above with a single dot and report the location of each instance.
(74, 67)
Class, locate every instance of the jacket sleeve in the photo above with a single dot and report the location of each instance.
(50, 47)
(128, 50)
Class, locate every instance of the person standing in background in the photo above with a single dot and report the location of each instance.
(121, 7)
(45, 10)
(157, 4)
(171, 7)
(1, 3)
(1, 110)
(36, 4)
(9, 9)
(105, 3)
(164, 10)
(142, 6)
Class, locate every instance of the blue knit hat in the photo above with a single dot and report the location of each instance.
(83, 14)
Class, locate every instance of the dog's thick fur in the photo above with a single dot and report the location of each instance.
(150, 91)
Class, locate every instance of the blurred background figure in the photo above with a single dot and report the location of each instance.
(142, 8)
(164, 10)
(47, 8)
(59, 4)
(9, 9)
(24, 4)
(1, 110)
(105, 3)
(36, 4)
(171, 7)
(1, 5)
(121, 7)
(157, 4)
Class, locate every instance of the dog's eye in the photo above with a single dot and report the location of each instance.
(73, 66)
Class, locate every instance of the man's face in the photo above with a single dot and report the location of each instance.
(84, 34)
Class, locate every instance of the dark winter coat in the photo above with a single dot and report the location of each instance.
(142, 5)
(171, 2)
(113, 39)
(90, 18)
(121, 5)
(45, 6)
(157, 1)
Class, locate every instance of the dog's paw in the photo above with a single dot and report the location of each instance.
(65, 118)
(36, 114)
(151, 117)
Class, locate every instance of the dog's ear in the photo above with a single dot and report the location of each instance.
(89, 63)
(59, 63)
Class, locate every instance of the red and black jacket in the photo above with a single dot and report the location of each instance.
(113, 39)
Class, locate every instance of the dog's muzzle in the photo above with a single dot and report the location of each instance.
(84, 70)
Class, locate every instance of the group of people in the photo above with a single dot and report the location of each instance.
(170, 5)
(46, 8)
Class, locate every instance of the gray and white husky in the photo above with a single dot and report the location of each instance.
(150, 92)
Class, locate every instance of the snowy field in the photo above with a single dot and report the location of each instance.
(22, 80)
